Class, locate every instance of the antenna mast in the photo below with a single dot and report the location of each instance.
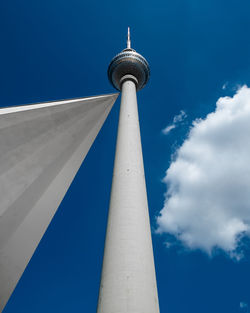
(128, 40)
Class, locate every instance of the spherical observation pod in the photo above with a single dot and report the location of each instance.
(129, 62)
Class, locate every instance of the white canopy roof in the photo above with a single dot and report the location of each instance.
(41, 149)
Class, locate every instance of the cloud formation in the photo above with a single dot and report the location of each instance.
(224, 86)
(207, 203)
(176, 120)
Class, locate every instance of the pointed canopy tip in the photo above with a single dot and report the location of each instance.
(128, 39)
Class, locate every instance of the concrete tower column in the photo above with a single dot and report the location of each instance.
(128, 283)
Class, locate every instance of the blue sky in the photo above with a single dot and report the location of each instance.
(54, 50)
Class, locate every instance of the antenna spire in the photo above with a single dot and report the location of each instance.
(128, 40)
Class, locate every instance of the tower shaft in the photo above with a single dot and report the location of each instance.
(128, 283)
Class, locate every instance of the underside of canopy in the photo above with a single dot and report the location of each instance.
(41, 149)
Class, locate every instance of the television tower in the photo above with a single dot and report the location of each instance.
(128, 282)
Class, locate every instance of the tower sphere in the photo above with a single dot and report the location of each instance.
(127, 63)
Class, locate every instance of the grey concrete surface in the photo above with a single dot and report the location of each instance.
(41, 148)
(128, 282)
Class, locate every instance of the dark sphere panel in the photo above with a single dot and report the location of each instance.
(128, 62)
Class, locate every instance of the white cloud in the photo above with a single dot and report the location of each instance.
(168, 129)
(225, 86)
(207, 203)
(176, 120)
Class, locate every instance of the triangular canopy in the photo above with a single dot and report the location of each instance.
(41, 149)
